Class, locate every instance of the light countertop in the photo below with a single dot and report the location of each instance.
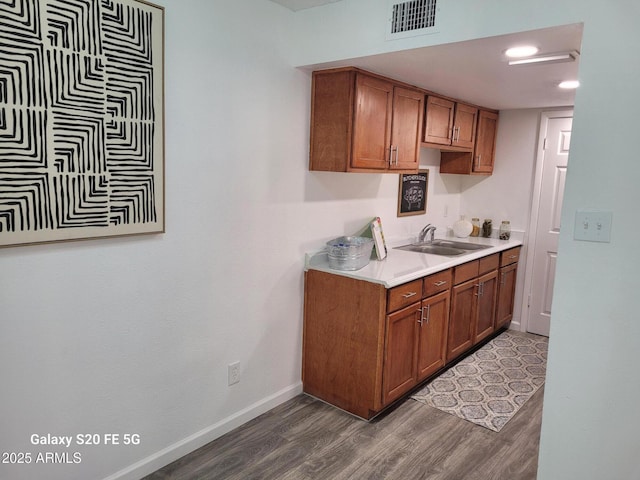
(402, 266)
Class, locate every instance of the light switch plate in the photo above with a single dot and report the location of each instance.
(593, 226)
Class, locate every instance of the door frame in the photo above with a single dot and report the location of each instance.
(530, 237)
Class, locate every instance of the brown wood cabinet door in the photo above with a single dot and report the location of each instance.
(485, 142)
(464, 124)
(485, 315)
(461, 318)
(400, 352)
(432, 338)
(506, 294)
(343, 341)
(372, 123)
(438, 125)
(408, 106)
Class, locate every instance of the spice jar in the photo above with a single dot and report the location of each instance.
(475, 222)
(505, 230)
(487, 228)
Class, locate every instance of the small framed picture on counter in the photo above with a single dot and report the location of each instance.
(412, 193)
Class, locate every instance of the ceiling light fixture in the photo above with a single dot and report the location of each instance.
(521, 51)
(550, 58)
(569, 84)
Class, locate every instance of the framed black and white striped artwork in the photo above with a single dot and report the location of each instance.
(81, 119)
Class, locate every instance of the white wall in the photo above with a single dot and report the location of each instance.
(506, 195)
(589, 428)
(134, 335)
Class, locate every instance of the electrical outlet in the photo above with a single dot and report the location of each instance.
(234, 372)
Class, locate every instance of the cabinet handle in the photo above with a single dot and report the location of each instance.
(502, 278)
(440, 283)
(511, 257)
(480, 289)
(410, 294)
(391, 150)
(421, 320)
(479, 157)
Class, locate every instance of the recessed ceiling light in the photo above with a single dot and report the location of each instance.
(521, 51)
(569, 84)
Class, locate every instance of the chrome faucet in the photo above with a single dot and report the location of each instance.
(429, 230)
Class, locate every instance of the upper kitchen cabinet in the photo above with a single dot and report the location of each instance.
(361, 122)
(480, 160)
(485, 142)
(449, 124)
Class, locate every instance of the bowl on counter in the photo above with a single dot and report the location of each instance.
(349, 253)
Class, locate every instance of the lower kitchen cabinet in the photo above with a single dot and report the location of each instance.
(401, 344)
(487, 295)
(414, 344)
(366, 346)
(432, 341)
(343, 341)
(473, 303)
(463, 308)
(507, 286)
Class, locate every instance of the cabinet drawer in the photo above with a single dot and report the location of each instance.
(510, 256)
(489, 263)
(465, 272)
(404, 295)
(436, 283)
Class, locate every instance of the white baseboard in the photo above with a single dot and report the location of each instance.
(173, 452)
(515, 325)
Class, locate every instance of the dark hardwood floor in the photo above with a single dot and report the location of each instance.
(305, 439)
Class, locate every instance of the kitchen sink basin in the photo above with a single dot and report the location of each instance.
(461, 245)
(448, 248)
(433, 249)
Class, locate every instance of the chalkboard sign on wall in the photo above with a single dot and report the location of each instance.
(412, 193)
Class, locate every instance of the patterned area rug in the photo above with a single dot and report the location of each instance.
(490, 385)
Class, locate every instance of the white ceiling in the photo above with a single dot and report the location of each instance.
(302, 4)
(477, 71)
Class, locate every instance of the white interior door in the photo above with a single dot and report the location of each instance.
(551, 173)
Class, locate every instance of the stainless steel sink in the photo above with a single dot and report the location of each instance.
(449, 248)
(462, 245)
(433, 249)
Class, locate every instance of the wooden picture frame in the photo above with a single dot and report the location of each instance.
(412, 193)
(81, 121)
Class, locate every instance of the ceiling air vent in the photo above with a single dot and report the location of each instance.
(416, 17)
